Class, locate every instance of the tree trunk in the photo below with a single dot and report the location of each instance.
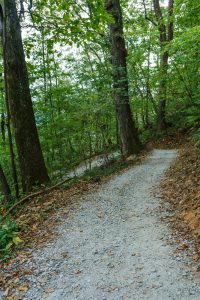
(12, 154)
(166, 35)
(127, 131)
(31, 160)
(4, 185)
(162, 92)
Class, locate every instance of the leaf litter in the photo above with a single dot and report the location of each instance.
(181, 188)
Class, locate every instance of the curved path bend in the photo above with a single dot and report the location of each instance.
(115, 246)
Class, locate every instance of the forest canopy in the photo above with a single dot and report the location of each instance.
(88, 77)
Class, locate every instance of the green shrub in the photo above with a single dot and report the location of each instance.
(197, 138)
(8, 238)
(146, 135)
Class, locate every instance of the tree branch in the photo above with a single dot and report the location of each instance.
(22, 11)
(146, 16)
(31, 196)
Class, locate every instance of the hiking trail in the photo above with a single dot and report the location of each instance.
(113, 245)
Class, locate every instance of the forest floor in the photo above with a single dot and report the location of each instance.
(113, 242)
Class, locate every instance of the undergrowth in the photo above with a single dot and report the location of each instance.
(196, 135)
(109, 168)
(9, 238)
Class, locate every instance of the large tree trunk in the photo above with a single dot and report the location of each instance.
(5, 122)
(31, 160)
(166, 35)
(127, 130)
(5, 189)
(162, 92)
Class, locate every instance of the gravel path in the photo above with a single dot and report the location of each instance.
(90, 164)
(114, 245)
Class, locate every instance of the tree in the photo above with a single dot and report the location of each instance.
(4, 185)
(128, 133)
(32, 166)
(165, 36)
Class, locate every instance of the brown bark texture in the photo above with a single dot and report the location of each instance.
(5, 189)
(165, 35)
(127, 130)
(31, 161)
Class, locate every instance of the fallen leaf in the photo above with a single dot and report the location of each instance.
(112, 288)
(16, 280)
(34, 227)
(17, 240)
(183, 246)
(27, 272)
(195, 257)
(23, 288)
(50, 290)
(110, 253)
(100, 215)
(6, 293)
(48, 203)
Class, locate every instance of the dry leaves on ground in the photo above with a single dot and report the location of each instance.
(181, 187)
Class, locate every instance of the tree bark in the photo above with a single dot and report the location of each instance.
(166, 35)
(31, 161)
(4, 185)
(162, 92)
(12, 154)
(127, 130)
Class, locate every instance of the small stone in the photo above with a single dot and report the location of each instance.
(139, 281)
(191, 292)
(198, 269)
(153, 271)
(110, 265)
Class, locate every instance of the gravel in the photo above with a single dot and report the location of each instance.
(90, 164)
(115, 246)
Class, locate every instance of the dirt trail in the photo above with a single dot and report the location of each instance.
(114, 245)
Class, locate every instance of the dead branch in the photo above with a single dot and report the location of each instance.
(31, 196)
